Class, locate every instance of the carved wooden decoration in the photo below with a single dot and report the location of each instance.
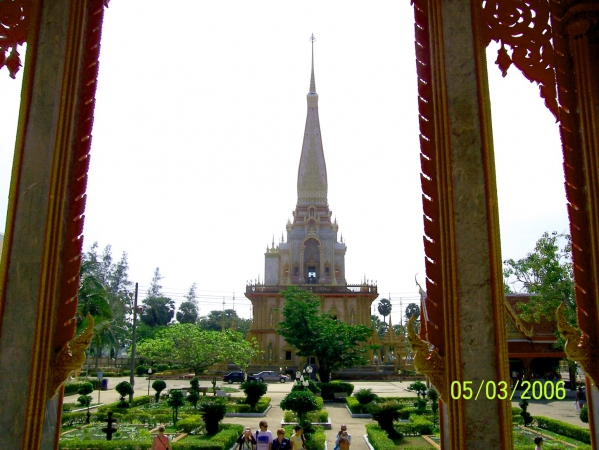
(71, 357)
(14, 26)
(524, 27)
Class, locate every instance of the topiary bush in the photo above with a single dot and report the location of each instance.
(300, 402)
(253, 390)
(526, 417)
(124, 389)
(158, 386)
(365, 396)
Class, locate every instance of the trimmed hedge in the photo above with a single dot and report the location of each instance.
(72, 387)
(378, 438)
(564, 429)
(418, 426)
(327, 390)
(223, 440)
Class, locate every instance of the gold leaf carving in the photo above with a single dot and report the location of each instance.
(71, 356)
(429, 363)
(579, 348)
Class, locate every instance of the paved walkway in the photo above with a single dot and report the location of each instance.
(562, 410)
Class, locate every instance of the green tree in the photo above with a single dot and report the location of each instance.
(212, 413)
(335, 344)
(157, 311)
(84, 398)
(175, 401)
(214, 321)
(546, 272)
(196, 348)
(189, 310)
(188, 313)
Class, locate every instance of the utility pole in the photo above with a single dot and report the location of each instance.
(132, 376)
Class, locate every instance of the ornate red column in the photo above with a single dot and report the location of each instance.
(39, 273)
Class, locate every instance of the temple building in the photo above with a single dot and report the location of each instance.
(311, 257)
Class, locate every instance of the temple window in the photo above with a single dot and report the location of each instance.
(287, 355)
(352, 317)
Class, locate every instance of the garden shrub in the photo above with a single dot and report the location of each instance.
(141, 370)
(421, 425)
(312, 387)
(238, 408)
(386, 414)
(141, 400)
(327, 390)
(262, 404)
(190, 424)
(365, 396)
(253, 390)
(526, 417)
(584, 414)
(355, 407)
(212, 413)
(73, 418)
(73, 387)
(565, 429)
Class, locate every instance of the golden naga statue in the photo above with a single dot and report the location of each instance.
(429, 363)
(71, 356)
(578, 348)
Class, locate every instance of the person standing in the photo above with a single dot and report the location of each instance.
(246, 441)
(264, 437)
(342, 433)
(297, 439)
(538, 443)
(580, 399)
(281, 442)
(343, 443)
(160, 441)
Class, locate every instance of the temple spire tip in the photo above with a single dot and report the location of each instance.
(312, 82)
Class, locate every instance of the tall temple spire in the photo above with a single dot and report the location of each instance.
(312, 173)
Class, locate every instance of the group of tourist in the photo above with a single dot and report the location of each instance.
(263, 439)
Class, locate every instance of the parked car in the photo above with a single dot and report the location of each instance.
(234, 377)
(269, 375)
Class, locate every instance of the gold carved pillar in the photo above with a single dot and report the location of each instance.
(464, 304)
(39, 272)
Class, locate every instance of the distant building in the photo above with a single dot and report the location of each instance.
(311, 257)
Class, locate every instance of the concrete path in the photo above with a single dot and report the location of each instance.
(562, 410)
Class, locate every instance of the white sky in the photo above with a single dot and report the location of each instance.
(201, 108)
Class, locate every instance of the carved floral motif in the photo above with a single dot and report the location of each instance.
(523, 26)
(14, 24)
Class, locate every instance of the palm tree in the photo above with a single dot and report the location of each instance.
(384, 308)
